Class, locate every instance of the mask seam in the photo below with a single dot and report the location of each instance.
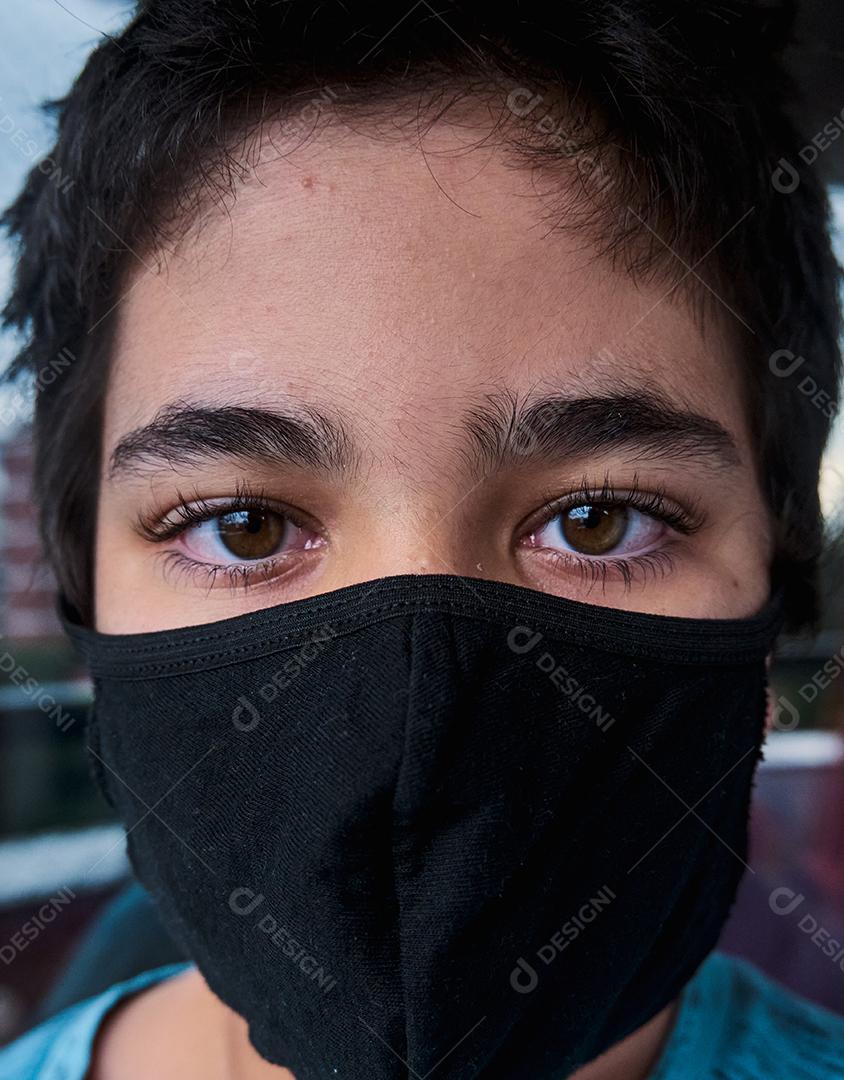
(762, 619)
(686, 652)
(156, 670)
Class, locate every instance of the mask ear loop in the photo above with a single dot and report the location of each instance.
(780, 714)
(92, 748)
(769, 698)
(69, 615)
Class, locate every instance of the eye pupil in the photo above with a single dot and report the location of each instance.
(594, 529)
(251, 534)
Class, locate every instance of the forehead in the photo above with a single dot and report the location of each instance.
(397, 281)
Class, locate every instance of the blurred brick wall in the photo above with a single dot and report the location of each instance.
(27, 588)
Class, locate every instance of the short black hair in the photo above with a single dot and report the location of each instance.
(683, 103)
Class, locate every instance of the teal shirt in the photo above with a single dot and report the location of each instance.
(733, 1023)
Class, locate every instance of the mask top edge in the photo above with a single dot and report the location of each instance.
(291, 624)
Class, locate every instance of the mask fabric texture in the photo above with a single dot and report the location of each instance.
(433, 826)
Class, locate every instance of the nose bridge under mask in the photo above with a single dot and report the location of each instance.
(436, 826)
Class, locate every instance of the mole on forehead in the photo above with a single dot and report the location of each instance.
(460, 165)
(266, 284)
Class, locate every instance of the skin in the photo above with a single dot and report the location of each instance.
(395, 286)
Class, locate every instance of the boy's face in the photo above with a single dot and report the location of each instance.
(342, 353)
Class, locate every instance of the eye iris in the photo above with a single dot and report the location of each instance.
(593, 529)
(251, 534)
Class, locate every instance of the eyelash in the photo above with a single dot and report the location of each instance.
(630, 569)
(199, 510)
(239, 575)
(652, 564)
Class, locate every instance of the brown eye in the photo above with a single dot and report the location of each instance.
(594, 529)
(251, 534)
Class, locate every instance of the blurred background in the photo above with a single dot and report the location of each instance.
(64, 904)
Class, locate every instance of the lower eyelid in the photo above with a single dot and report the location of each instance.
(626, 570)
(235, 575)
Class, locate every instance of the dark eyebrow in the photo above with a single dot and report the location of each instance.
(185, 433)
(505, 431)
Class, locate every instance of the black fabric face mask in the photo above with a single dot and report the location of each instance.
(433, 826)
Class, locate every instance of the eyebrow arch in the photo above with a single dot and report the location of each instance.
(505, 431)
(185, 433)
